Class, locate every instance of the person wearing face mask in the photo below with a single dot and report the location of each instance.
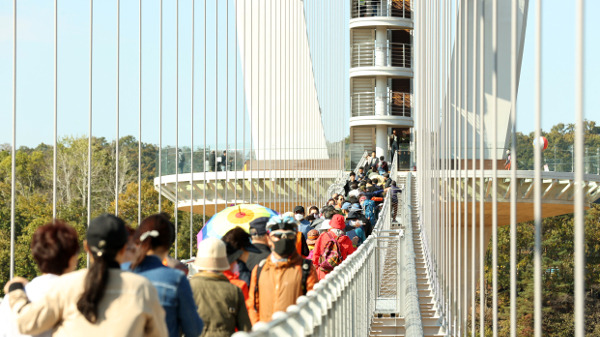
(283, 276)
(314, 210)
(354, 227)
(303, 224)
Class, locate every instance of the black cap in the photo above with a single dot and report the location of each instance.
(353, 215)
(258, 226)
(106, 234)
(299, 209)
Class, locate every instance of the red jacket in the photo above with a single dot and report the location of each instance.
(346, 248)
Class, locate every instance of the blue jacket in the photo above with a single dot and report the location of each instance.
(304, 227)
(175, 295)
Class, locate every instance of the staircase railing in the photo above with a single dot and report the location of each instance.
(342, 304)
(412, 310)
(340, 181)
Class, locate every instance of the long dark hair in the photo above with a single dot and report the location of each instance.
(109, 235)
(94, 287)
(163, 236)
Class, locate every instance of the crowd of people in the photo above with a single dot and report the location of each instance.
(133, 288)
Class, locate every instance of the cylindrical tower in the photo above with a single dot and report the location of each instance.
(381, 78)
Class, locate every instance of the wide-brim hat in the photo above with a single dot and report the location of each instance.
(212, 255)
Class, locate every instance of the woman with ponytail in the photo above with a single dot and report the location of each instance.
(99, 301)
(154, 238)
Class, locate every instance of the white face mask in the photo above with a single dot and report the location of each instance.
(316, 215)
(299, 216)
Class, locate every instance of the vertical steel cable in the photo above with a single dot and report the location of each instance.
(259, 154)
(13, 154)
(579, 252)
(252, 100)
(280, 97)
(474, 164)
(118, 101)
(288, 107)
(482, 248)
(262, 97)
(139, 120)
(89, 154)
(160, 48)
(244, 102)
(55, 150)
(537, 201)
(175, 204)
(226, 184)
(465, 106)
(192, 134)
(455, 278)
(216, 103)
(495, 169)
(513, 170)
(204, 161)
(235, 154)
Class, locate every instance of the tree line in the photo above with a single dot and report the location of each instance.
(557, 251)
(35, 188)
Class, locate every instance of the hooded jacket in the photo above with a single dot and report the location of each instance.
(346, 248)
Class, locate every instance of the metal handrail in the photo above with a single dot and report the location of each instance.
(363, 54)
(318, 313)
(397, 54)
(362, 104)
(397, 104)
(340, 181)
(379, 8)
(412, 311)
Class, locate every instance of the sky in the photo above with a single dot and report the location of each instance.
(35, 88)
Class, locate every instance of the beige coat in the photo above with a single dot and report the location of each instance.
(130, 307)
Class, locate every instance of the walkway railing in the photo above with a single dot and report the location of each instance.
(341, 305)
(396, 104)
(390, 8)
(344, 303)
(338, 185)
(411, 310)
(392, 54)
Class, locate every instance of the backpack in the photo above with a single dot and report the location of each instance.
(305, 272)
(369, 206)
(331, 256)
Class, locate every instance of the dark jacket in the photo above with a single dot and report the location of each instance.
(174, 293)
(255, 258)
(220, 304)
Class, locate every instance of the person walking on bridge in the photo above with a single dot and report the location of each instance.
(283, 276)
(100, 301)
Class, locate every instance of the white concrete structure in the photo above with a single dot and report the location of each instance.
(380, 74)
(271, 46)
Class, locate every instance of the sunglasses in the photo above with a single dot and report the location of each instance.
(284, 235)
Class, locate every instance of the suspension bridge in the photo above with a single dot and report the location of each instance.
(276, 101)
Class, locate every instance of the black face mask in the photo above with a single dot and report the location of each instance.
(284, 247)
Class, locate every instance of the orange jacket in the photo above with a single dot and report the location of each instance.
(235, 280)
(280, 284)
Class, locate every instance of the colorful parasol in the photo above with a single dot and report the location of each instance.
(231, 217)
